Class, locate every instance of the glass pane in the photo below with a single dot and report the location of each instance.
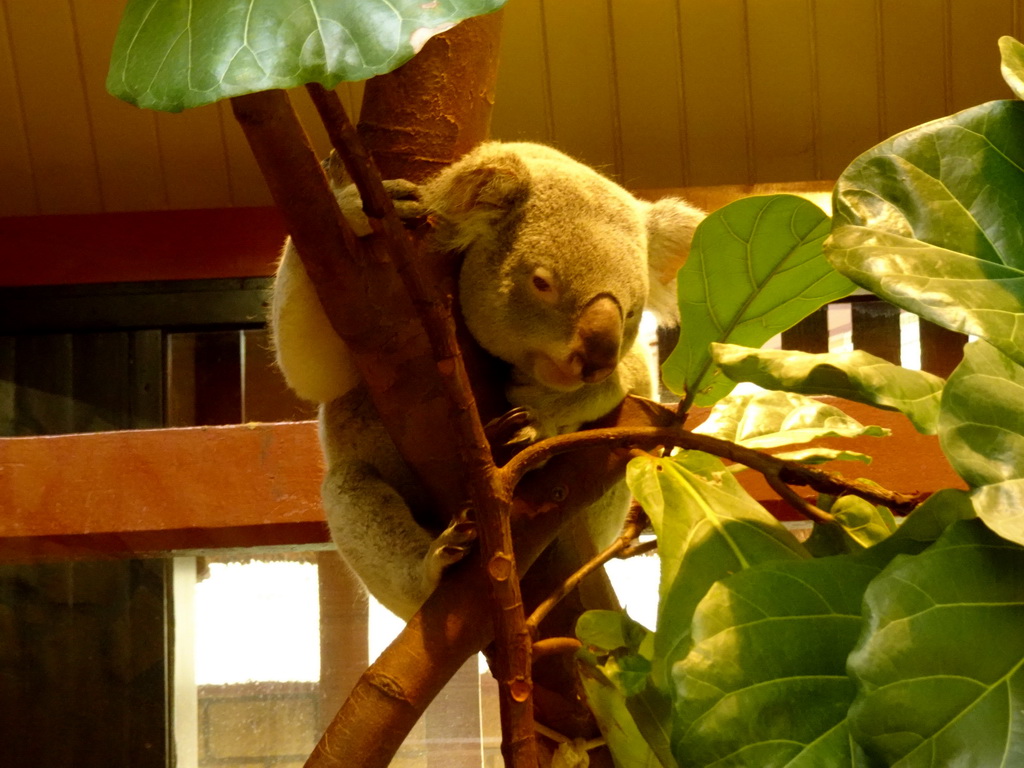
(267, 648)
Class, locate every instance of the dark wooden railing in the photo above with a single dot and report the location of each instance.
(875, 328)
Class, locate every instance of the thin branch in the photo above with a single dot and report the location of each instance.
(489, 495)
(798, 502)
(636, 521)
(638, 549)
(551, 646)
(790, 472)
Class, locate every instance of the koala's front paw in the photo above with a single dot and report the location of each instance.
(511, 433)
(406, 197)
(451, 546)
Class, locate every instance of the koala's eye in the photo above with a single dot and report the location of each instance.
(544, 286)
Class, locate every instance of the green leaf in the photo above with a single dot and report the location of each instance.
(629, 672)
(755, 268)
(771, 419)
(607, 631)
(855, 375)
(1001, 507)
(628, 745)
(616, 670)
(777, 635)
(932, 220)
(865, 523)
(861, 525)
(817, 455)
(766, 682)
(652, 712)
(827, 540)
(922, 527)
(708, 527)
(981, 427)
(1012, 53)
(175, 55)
(940, 667)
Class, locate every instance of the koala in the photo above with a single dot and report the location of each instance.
(558, 263)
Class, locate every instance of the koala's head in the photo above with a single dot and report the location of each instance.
(554, 277)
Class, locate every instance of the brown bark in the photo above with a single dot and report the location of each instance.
(362, 293)
(488, 494)
(436, 107)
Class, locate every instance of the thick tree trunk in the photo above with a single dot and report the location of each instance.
(435, 108)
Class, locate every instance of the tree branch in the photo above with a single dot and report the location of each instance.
(772, 467)
(635, 523)
(489, 495)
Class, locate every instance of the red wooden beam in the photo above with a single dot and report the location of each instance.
(115, 494)
(139, 246)
(151, 491)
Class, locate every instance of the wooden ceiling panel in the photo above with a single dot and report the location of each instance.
(649, 87)
(660, 93)
(125, 140)
(17, 187)
(47, 69)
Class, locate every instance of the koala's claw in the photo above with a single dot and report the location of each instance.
(453, 544)
(511, 433)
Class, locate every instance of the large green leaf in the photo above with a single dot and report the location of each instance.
(708, 527)
(933, 221)
(940, 667)
(981, 427)
(172, 55)
(625, 740)
(615, 666)
(755, 268)
(855, 375)
(1001, 506)
(862, 521)
(766, 682)
(772, 419)
(1012, 64)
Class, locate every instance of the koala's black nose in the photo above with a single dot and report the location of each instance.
(594, 375)
(599, 333)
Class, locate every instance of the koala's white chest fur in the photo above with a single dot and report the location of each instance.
(558, 264)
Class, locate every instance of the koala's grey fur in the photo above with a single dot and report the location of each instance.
(558, 265)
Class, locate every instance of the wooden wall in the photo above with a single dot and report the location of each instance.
(669, 93)
(661, 93)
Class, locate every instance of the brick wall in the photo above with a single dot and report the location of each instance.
(258, 725)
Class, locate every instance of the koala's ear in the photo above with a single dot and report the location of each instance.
(473, 199)
(478, 191)
(670, 226)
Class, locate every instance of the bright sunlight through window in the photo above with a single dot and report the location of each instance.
(257, 621)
